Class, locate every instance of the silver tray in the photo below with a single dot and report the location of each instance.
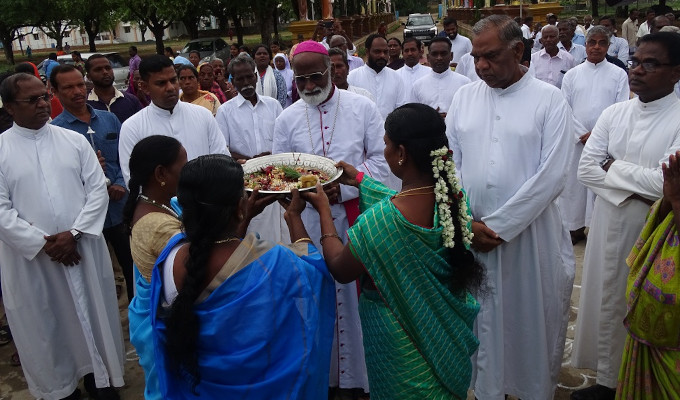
(293, 160)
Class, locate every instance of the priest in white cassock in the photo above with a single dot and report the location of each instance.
(247, 123)
(412, 69)
(621, 163)
(194, 126)
(510, 136)
(343, 126)
(466, 67)
(57, 280)
(384, 84)
(436, 89)
(589, 88)
(340, 70)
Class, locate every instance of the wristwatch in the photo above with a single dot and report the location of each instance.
(605, 161)
(76, 234)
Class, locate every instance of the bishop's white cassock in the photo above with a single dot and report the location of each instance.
(589, 89)
(249, 131)
(409, 76)
(437, 90)
(65, 320)
(347, 127)
(640, 137)
(385, 87)
(511, 147)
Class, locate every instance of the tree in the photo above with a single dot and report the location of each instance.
(157, 15)
(264, 17)
(93, 16)
(13, 15)
(224, 10)
(53, 17)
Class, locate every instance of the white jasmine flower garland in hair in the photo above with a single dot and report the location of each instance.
(443, 162)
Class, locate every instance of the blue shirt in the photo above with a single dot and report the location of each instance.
(49, 65)
(579, 39)
(106, 129)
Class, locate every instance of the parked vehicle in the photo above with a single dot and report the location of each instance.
(420, 26)
(210, 48)
(118, 63)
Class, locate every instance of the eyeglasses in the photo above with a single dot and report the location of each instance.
(35, 99)
(316, 78)
(648, 66)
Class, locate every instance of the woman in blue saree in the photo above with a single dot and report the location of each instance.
(238, 318)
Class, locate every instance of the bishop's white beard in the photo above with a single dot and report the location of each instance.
(316, 99)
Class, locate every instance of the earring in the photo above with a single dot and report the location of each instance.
(401, 162)
(162, 183)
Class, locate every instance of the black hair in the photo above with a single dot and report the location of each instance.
(394, 38)
(439, 39)
(334, 51)
(88, 62)
(421, 130)
(371, 38)
(669, 40)
(61, 69)
(148, 153)
(10, 86)
(650, 11)
(449, 21)
(263, 46)
(609, 18)
(169, 49)
(77, 53)
(195, 52)
(52, 56)
(24, 67)
(191, 68)
(153, 63)
(133, 48)
(209, 190)
(418, 43)
(244, 49)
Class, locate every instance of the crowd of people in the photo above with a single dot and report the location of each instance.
(440, 261)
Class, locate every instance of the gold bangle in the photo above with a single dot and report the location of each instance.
(303, 239)
(329, 235)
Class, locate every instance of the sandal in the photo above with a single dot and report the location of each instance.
(14, 360)
(5, 335)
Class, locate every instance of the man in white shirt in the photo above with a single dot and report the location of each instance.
(621, 163)
(194, 126)
(247, 123)
(466, 67)
(645, 27)
(618, 47)
(385, 84)
(412, 69)
(589, 88)
(340, 42)
(436, 89)
(459, 44)
(340, 68)
(510, 135)
(551, 63)
(565, 31)
(526, 27)
(629, 29)
(57, 280)
(343, 126)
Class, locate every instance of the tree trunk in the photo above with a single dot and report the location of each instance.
(158, 31)
(265, 21)
(92, 29)
(594, 5)
(191, 24)
(238, 28)
(275, 17)
(9, 50)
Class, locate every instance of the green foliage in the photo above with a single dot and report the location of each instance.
(406, 7)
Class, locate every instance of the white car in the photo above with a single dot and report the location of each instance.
(119, 65)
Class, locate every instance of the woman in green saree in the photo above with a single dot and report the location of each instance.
(651, 358)
(411, 250)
